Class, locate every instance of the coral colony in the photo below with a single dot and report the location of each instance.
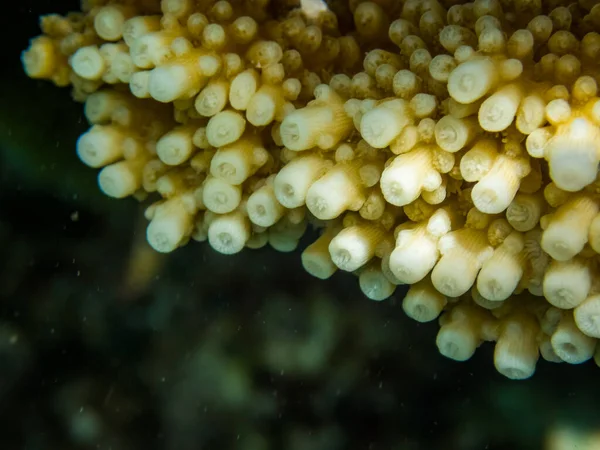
(447, 145)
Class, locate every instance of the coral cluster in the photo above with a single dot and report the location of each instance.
(452, 146)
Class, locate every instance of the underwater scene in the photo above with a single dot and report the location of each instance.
(300, 225)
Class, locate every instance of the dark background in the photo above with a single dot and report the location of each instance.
(206, 352)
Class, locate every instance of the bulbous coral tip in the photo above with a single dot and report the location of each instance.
(570, 345)
(573, 155)
(109, 22)
(166, 84)
(412, 262)
(374, 284)
(587, 316)
(399, 190)
(287, 193)
(224, 169)
(455, 344)
(222, 242)
(319, 206)
(452, 277)
(317, 268)
(471, 80)
(488, 200)
(160, 237)
(516, 371)
(87, 62)
(375, 129)
(498, 283)
(121, 179)
(225, 128)
(573, 175)
(569, 175)
(290, 132)
(229, 233)
(39, 60)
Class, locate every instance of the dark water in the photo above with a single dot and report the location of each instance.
(214, 352)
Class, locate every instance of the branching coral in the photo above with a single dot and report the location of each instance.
(449, 145)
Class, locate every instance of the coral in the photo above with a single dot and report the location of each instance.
(452, 146)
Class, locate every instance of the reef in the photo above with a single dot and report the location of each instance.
(450, 146)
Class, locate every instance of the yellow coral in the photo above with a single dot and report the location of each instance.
(461, 157)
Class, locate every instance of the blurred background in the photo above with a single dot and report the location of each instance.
(105, 344)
